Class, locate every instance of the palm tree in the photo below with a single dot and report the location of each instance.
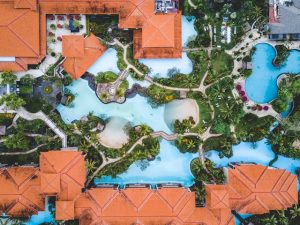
(144, 129)
(226, 110)
(295, 212)
(94, 138)
(90, 165)
(191, 144)
(283, 220)
(180, 140)
(270, 220)
(84, 146)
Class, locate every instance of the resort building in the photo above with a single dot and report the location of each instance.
(156, 26)
(80, 53)
(250, 188)
(284, 20)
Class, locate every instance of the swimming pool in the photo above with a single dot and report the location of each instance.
(170, 166)
(259, 152)
(106, 62)
(136, 110)
(188, 30)
(261, 86)
(42, 217)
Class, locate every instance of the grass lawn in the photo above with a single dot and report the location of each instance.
(205, 112)
(26, 89)
(221, 65)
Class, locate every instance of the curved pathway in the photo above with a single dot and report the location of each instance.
(23, 153)
(22, 112)
(129, 65)
(156, 134)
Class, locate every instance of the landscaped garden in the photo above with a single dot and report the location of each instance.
(147, 137)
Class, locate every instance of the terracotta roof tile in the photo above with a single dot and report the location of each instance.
(267, 190)
(50, 183)
(18, 27)
(25, 4)
(137, 199)
(159, 32)
(217, 196)
(102, 196)
(162, 208)
(63, 171)
(77, 66)
(64, 210)
(119, 206)
(171, 195)
(72, 45)
(21, 175)
(20, 191)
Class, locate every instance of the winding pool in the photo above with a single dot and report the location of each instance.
(188, 29)
(170, 166)
(136, 110)
(261, 86)
(259, 152)
(106, 62)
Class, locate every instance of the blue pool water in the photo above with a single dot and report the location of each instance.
(42, 217)
(136, 110)
(260, 152)
(107, 62)
(244, 216)
(184, 64)
(170, 166)
(188, 29)
(286, 113)
(261, 86)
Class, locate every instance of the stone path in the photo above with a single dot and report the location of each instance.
(22, 112)
(129, 65)
(110, 88)
(192, 4)
(23, 153)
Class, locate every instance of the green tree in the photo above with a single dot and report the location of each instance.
(90, 165)
(282, 219)
(270, 220)
(8, 77)
(12, 101)
(144, 129)
(191, 144)
(17, 141)
(295, 212)
(27, 80)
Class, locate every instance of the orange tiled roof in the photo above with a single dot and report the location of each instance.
(19, 31)
(23, 24)
(72, 45)
(217, 196)
(159, 32)
(142, 206)
(76, 66)
(135, 14)
(256, 189)
(250, 189)
(64, 210)
(62, 173)
(25, 4)
(19, 192)
(142, 50)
